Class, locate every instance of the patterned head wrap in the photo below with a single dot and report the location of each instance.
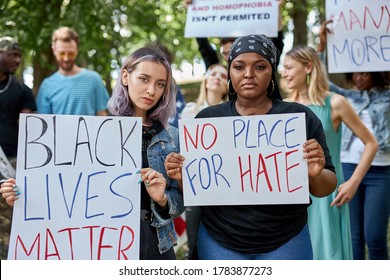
(262, 45)
(8, 43)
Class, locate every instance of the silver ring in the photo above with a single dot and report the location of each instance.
(147, 183)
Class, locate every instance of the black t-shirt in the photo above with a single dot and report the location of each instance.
(147, 134)
(12, 101)
(255, 229)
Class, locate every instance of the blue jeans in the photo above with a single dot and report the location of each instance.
(369, 212)
(298, 248)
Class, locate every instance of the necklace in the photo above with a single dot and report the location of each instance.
(7, 85)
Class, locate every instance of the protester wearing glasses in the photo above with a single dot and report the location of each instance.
(72, 90)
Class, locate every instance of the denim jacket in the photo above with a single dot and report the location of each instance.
(161, 145)
(378, 105)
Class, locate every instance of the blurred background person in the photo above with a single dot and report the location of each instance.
(72, 90)
(213, 90)
(210, 56)
(370, 207)
(15, 97)
(328, 219)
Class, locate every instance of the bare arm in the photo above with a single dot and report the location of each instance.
(322, 34)
(342, 110)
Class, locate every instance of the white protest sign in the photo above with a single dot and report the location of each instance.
(6, 169)
(360, 35)
(80, 196)
(244, 160)
(231, 18)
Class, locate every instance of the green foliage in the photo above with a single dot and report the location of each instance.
(109, 29)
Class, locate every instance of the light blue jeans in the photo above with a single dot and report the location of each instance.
(369, 213)
(298, 248)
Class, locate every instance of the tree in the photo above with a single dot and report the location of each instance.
(110, 30)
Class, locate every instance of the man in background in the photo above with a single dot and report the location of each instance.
(15, 97)
(72, 90)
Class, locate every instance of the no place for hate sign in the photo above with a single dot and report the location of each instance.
(80, 196)
(244, 160)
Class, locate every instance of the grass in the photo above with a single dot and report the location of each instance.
(181, 252)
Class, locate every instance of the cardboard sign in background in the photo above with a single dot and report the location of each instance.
(231, 18)
(360, 38)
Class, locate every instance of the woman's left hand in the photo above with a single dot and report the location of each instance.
(315, 157)
(345, 193)
(9, 191)
(155, 184)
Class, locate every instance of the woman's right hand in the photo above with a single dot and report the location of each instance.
(9, 191)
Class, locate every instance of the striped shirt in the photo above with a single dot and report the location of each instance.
(80, 94)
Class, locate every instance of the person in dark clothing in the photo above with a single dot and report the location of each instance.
(15, 97)
(210, 56)
(244, 232)
(145, 89)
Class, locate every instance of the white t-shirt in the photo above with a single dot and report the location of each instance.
(192, 109)
(354, 154)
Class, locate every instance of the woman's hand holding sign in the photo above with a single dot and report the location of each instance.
(173, 165)
(155, 185)
(320, 179)
(9, 191)
(315, 157)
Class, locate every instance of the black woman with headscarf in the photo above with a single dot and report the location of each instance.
(245, 232)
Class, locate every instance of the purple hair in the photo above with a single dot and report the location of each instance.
(120, 103)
